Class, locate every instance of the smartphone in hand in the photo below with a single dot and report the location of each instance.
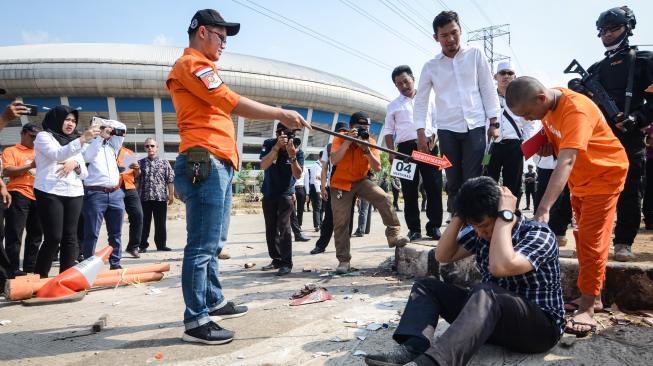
(33, 109)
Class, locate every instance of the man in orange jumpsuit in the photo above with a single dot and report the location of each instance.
(594, 163)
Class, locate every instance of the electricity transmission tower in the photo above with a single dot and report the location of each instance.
(487, 35)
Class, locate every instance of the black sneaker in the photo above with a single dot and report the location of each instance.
(399, 356)
(228, 311)
(414, 236)
(209, 333)
(434, 233)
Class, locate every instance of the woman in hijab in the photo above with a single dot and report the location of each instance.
(58, 187)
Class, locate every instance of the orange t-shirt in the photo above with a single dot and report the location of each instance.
(17, 156)
(601, 164)
(127, 176)
(353, 167)
(203, 104)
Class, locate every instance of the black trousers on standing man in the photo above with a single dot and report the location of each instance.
(276, 212)
(465, 151)
(300, 196)
(432, 181)
(21, 215)
(507, 162)
(135, 214)
(316, 203)
(158, 209)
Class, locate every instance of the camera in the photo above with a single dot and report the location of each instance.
(290, 134)
(117, 132)
(363, 133)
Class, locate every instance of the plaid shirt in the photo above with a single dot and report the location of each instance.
(153, 181)
(537, 243)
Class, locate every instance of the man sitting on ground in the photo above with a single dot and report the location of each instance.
(518, 303)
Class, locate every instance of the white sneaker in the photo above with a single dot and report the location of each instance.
(623, 253)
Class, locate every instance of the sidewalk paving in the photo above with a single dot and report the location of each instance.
(142, 326)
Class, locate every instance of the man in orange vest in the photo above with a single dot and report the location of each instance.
(132, 201)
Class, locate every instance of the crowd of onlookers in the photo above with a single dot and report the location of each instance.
(63, 184)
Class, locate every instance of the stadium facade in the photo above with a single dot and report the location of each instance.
(127, 82)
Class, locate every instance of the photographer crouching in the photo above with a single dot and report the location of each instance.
(282, 161)
(354, 164)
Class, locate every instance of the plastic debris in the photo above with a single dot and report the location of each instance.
(307, 269)
(319, 354)
(376, 326)
(351, 274)
(249, 265)
(153, 291)
(360, 353)
(5, 322)
(361, 338)
(338, 339)
(240, 357)
(310, 294)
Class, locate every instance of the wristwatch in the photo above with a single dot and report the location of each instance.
(495, 125)
(292, 160)
(507, 215)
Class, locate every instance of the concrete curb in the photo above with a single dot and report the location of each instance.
(629, 285)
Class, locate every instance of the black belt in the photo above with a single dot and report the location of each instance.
(102, 189)
(509, 141)
(407, 142)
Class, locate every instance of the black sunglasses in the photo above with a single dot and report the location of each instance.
(148, 146)
(506, 72)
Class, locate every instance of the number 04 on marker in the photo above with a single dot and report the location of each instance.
(404, 170)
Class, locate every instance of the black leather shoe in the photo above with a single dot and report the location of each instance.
(358, 234)
(142, 250)
(209, 333)
(434, 233)
(317, 251)
(397, 357)
(301, 237)
(133, 253)
(164, 249)
(284, 271)
(414, 235)
(115, 267)
(269, 267)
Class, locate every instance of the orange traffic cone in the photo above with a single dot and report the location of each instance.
(77, 278)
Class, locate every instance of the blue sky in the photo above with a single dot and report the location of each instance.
(545, 35)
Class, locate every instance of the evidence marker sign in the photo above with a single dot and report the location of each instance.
(404, 170)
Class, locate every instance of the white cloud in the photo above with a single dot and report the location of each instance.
(161, 40)
(38, 37)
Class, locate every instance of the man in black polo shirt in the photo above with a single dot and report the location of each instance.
(283, 162)
(518, 304)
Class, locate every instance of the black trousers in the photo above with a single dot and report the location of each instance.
(629, 204)
(530, 193)
(648, 193)
(4, 261)
(20, 215)
(316, 203)
(465, 152)
(560, 214)
(326, 229)
(135, 213)
(432, 181)
(395, 197)
(486, 313)
(507, 162)
(277, 212)
(59, 215)
(300, 196)
(158, 209)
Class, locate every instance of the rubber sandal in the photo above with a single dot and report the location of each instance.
(573, 307)
(579, 333)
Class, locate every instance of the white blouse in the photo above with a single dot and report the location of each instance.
(48, 154)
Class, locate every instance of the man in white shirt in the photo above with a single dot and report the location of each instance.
(314, 174)
(400, 129)
(507, 159)
(296, 216)
(103, 198)
(465, 99)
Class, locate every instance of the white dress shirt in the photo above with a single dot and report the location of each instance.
(315, 174)
(399, 119)
(325, 160)
(303, 179)
(506, 130)
(465, 95)
(47, 155)
(103, 167)
(546, 162)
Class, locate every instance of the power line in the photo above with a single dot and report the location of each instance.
(448, 8)
(405, 17)
(415, 12)
(314, 34)
(385, 26)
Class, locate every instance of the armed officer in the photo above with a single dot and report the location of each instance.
(614, 74)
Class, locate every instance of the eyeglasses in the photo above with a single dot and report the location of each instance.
(222, 38)
(506, 72)
(150, 146)
(610, 29)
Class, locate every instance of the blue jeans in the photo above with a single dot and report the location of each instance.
(208, 209)
(111, 208)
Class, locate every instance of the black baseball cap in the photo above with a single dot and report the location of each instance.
(212, 17)
(341, 126)
(31, 128)
(360, 118)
